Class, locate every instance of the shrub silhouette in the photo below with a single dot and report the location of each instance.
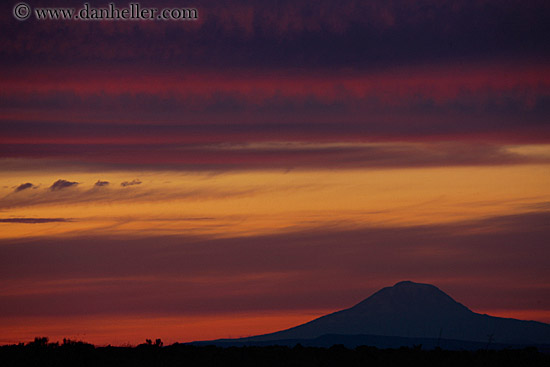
(39, 342)
(41, 352)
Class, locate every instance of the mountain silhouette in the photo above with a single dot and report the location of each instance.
(417, 311)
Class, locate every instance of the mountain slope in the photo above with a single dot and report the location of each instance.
(415, 310)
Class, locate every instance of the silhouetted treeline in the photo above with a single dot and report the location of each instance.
(71, 353)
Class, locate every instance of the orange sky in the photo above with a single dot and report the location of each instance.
(242, 205)
(259, 202)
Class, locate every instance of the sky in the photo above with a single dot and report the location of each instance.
(268, 163)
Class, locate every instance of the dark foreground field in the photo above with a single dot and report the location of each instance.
(70, 353)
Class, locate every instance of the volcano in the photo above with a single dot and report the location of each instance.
(414, 312)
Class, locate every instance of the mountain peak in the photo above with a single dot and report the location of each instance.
(405, 282)
(408, 283)
(412, 298)
(413, 285)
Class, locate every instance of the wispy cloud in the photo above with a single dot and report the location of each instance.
(62, 184)
(24, 186)
(100, 183)
(122, 194)
(130, 183)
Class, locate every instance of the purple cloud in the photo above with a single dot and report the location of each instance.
(100, 183)
(130, 183)
(34, 220)
(62, 184)
(24, 186)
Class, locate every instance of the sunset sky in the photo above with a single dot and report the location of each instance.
(269, 163)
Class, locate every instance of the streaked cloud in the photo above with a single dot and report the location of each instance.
(188, 156)
(326, 268)
(34, 220)
(295, 34)
(410, 103)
